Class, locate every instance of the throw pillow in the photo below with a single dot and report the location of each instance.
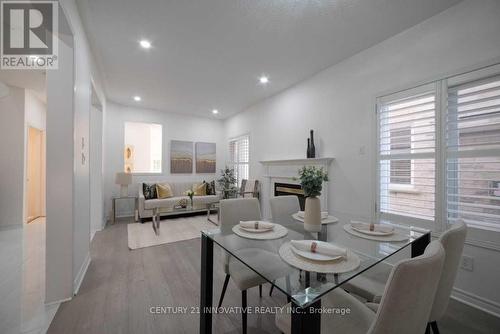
(210, 188)
(149, 190)
(164, 190)
(200, 189)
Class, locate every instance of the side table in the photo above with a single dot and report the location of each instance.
(114, 199)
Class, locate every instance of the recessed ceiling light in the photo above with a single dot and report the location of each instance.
(145, 44)
(137, 98)
(215, 111)
(264, 80)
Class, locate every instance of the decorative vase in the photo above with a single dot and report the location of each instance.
(308, 154)
(312, 151)
(191, 200)
(312, 214)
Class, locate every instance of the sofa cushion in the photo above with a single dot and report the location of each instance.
(210, 187)
(163, 190)
(149, 190)
(163, 202)
(200, 189)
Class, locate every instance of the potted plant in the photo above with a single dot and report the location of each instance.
(311, 180)
(227, 183)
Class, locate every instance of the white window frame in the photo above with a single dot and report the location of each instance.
(475, 236)
(234, 164)
(406, 188)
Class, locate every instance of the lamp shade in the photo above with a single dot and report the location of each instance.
(123, 179)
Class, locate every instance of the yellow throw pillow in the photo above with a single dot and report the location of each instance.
(164, 190)
(200, 189)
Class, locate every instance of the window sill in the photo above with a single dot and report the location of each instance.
(403, 188)
(146, 174)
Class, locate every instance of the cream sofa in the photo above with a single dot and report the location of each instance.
(178, 189)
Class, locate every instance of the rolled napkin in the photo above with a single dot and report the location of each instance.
(319, 247)
(257, 225)
(380, 228)
(324, 214)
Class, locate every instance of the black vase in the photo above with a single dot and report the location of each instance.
(312, 150)
(308, 148)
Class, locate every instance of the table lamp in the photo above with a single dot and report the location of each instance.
(123, 179)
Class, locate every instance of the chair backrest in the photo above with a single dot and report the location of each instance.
(453, 243)
(234, 210)
(283, 207)
(249, 188)
(409, 293)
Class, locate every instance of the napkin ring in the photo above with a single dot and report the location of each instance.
(314, 244)
(256, 225)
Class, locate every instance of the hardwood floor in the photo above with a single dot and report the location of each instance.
(122, 285)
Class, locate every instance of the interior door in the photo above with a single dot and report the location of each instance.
(34, 174)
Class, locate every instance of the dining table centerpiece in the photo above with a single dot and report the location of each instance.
(311, 179)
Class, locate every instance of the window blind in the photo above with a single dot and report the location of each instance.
(473, 153)
(239, 156)
(407, 140)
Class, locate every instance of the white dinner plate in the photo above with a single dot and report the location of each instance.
(381, 230)
(314, 256)
(252, 230)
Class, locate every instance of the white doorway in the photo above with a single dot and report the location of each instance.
(35, 178)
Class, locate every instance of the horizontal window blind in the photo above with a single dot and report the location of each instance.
(473, 153)
(239, 156)
(407, 140)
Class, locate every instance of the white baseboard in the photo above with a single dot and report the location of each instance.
(81, 274)
(478, 302)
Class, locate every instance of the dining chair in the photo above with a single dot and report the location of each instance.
(249, 188)
(232, 211)
(282, 209)
(453, 239)
(404, 308)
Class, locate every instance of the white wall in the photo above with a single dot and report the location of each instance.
(339, 103)
(175, 127)
(85, 72)
(12, 161)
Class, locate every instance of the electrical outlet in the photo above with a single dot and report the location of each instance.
(467, 263)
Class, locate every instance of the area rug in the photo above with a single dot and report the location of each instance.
(171, 230)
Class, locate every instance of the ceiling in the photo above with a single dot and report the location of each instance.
(209, 54)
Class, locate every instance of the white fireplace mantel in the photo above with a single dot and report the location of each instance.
(305, 162)
(286, 170)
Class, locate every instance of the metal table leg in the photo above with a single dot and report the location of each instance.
(206, 290)
(306, 319)
(113, 213)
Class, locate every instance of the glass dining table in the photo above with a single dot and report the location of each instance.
(303, 288)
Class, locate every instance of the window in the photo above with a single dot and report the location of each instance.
(401, 169)
(143, 148)
(239, 157)
(473, 153)
(439, 153)
(407, 136)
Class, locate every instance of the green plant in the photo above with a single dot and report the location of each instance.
(311, 180)
(190, 193)
(227, 182)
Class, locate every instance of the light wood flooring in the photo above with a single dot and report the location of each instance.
(122, 285)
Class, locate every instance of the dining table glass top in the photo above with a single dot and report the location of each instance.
(305, 287)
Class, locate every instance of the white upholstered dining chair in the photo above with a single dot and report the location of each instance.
(452, 241)
(404, 308)
(232, 211)
(282, 209)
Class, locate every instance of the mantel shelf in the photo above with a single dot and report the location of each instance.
(310, 161)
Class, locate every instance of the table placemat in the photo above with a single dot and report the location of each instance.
(328, 220)
(277, 232)
(395, 237)
(339, 266)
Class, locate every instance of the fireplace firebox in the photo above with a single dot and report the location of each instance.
(283, 189)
